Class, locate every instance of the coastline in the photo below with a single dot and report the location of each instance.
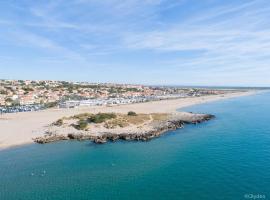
(20, 128)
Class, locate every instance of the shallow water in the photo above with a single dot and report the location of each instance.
(225, 158)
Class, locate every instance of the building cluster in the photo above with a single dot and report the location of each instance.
(16, 93)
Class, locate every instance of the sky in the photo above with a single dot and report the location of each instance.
(164, 42)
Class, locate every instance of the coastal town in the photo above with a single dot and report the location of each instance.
(32, 95)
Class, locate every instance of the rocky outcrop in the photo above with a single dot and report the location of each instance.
(50, 138)
(79, 137)
(158, 128)
(199, 119)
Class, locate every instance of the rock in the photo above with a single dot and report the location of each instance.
(50, 138)
(79, 136)
(100, 140)
(111, 136)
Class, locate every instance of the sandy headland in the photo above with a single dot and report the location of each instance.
(151, 120)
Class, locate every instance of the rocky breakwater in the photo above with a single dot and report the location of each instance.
(153, 129)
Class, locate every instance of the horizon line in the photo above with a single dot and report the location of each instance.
(144, 84)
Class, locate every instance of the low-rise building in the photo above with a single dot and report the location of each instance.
(69, 104)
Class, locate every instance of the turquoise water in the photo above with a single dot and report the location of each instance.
(225, 158)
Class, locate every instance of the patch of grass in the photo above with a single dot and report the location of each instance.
(159, 116)
(82, 116)
(138, 119)
(116, 122)
(126, 120)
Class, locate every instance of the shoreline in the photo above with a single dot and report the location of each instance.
(21, 128)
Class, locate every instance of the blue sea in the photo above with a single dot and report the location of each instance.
(225, 158)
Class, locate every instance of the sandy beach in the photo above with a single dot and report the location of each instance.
(21, 128)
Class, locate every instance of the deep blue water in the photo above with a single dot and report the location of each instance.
(225, 158)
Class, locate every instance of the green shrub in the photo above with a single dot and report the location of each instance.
(101, 117)
(82, 124)
(132, 113)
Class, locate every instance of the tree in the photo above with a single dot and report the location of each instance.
(8, 100)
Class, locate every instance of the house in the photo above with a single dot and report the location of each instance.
(26, 100)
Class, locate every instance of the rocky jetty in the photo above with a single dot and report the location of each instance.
(157, 128)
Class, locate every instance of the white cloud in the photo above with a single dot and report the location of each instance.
(230, 43)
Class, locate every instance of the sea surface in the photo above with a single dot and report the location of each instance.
(225, 158)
